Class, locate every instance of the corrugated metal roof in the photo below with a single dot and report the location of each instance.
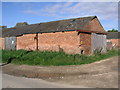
(53, 26)
(113, 35)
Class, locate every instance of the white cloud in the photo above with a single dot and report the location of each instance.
(60, 0)
(69, 9)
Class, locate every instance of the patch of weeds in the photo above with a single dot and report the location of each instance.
(48, 58)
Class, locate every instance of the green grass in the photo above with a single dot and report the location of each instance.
(48, 58)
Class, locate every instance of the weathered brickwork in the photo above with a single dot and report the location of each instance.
(94, 25)
(26, 42)
(1, 43)
(85, 42)
(115, 43)
(68, 41)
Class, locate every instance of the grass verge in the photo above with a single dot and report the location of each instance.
(48, 58)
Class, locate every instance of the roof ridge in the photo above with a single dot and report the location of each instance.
(70, 19)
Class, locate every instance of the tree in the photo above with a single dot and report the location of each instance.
(21, 24)
(113, 30)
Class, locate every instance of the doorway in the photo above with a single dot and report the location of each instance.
(10, 43)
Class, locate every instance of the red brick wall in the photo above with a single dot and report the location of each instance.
(94, 25)
(1, 43)
(68, 41)
(115, 42)
(26, 42)
(85, 42)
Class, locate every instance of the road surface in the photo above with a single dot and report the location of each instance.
(9, 81)
(100, 74)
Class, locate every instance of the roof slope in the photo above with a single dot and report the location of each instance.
(53, 26)
(113, 35)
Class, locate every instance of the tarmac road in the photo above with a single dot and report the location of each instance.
(9, 81)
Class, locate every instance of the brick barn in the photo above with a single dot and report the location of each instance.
(77, 35)
(113, 39)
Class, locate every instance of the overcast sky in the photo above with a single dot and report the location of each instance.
(36, 12)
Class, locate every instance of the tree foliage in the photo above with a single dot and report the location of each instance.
(113, 30)
(21, 24)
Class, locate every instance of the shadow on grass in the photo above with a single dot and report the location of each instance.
(12, 58)
(9, 61)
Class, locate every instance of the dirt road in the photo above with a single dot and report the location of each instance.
(22, 82)
(101, 74)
